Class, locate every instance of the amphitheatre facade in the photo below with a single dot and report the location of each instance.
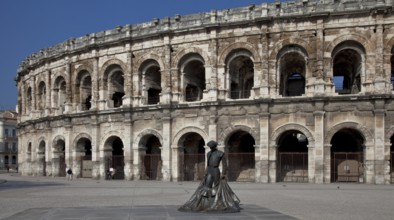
(298, 91)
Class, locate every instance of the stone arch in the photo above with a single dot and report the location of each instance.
(110, 62)
(186, 130)
(178, 57)
(226, 134)
(108, 135)
(41, 140)
(292, 70)
(192, 76)
(114, 82)
(368, 46)
(78, 137)
(292, 126)
(238, 46)
(148, 56)
(59, 90)
(81, 68)
(364, 131)
(58, 137)
(41, 92)
(291, 41)
(55, 141)
(83, 86)
(29, 148)
(150, 81)
(140, 137)
(56, 78)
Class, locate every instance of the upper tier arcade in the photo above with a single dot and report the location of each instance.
(264, 13)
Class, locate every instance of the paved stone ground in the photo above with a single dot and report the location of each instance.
(57, 198)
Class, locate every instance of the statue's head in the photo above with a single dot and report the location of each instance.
(212, 144)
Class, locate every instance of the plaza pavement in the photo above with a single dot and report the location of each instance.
(56, 198)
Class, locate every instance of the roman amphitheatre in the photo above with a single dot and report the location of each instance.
(293, 91)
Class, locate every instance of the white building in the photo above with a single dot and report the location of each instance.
(8, 140)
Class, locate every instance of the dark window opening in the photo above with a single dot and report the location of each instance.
(192, 93)
(88, 103)
(153, 96)
(295, 85)
(117, 98)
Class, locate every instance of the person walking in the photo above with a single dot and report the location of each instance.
(69, 173)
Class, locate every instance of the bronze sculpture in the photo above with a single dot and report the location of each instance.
(213, 194)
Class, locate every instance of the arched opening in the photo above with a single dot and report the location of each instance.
(83, 90)
(13, 160)
(392, 159)
(84, 154)
(151, 81)
(347, 67)
(115, 156)
(241, 74)
(6, 160)
(28, 152)
(41, 160)
(292, 67)
(241, 157)
(347, 156)
(192, 157)
(59, 159)
(59, 92)
(193, 74)
(151, 157)
(114, 79)
(292, 160)
(392, 68)
(29, 99)
(41, 96)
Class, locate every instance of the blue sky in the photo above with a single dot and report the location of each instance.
(26, 26)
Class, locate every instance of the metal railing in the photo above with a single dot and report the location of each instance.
(292, 167)
(347, 167)
(240, 94)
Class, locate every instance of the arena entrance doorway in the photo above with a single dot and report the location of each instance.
(347, 156)
(152, 162)
(293, 157)
(84, 151)
(116, 159)
(241, 157)
(192, 157)
(41, 160)
(59, 159)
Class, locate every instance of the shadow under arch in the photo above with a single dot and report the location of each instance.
(114, 156)
(149, 150)
(240, 155)
(190, 150)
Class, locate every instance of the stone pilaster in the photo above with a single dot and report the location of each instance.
(128, 152)
(128, 81)
(95, 84)
(272, 157)
(261, 151)
(166, 148)
(327, 163)
(95, 134)
(264, 84)
(68, 104)
(380, 146)
(319, 147)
